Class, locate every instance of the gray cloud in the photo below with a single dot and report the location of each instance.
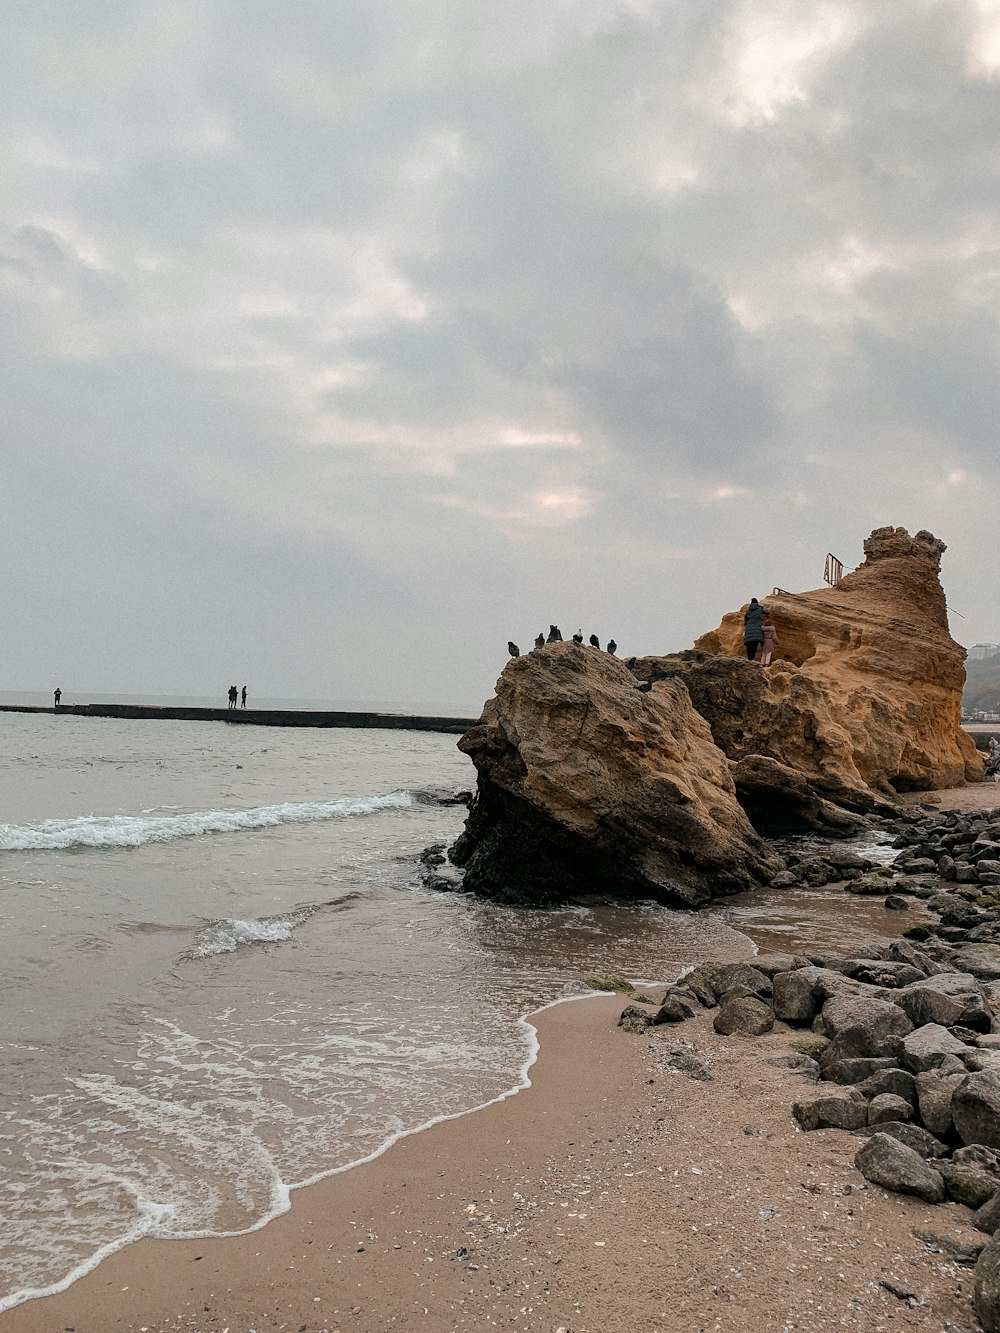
(350, 341)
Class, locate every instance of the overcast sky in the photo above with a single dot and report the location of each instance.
(343, 340)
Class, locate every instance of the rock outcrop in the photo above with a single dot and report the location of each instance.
(588, 785)
(864, 696)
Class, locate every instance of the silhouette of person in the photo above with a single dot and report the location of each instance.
(57, 695)
(243, 698)
(232, 696)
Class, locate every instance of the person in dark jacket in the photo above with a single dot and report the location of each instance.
(753, 628)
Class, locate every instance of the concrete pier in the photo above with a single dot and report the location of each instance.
(258, 717)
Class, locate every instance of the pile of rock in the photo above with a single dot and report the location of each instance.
(904, 1050)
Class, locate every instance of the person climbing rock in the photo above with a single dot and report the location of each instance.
(753, 628)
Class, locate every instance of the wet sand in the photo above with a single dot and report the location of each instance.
(618, 1192)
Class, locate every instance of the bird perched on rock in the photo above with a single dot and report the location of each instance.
(645, 687)
(612, 647)
(554, 635)
(513, 649)
(540, 641)
(630, 663)
(578, 636)
(595, 641)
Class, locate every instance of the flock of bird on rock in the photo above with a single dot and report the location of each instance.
(556, 637)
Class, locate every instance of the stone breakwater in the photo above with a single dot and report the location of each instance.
(254, 717)
(901, 1048)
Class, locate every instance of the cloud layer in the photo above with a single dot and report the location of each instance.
(342, 343)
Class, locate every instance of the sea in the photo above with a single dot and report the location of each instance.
(223, 978)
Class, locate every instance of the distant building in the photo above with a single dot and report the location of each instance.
(980, 651)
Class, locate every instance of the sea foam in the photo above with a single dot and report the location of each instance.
(135, 830)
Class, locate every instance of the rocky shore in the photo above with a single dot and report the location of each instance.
(666, 777)
(901, 1048)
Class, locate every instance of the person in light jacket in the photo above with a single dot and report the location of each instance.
(770, 640)
(753, 628)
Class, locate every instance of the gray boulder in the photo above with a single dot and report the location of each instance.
(898, 1081)
(902, 951)
(949, 998)
(975, 1108)
(862, 1028)
(772, 963)
(965, 1184)
(843, 1108)
(928, 1046)
(981, 1157)
(934, 1093)
(746, 1017)
(872, 884)
(725, 976)
(987, 1296)
(982, 960)
(795, 1000)
(634, 1019)
(923, 1143)
(673, 1010)
(886, 1107)
(854, 1071)
(885, 1161)
(700, 986)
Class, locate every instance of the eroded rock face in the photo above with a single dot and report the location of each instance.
(862, 701)
(588, 785)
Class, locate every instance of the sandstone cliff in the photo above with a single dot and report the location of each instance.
(864, 696)
(588, 785)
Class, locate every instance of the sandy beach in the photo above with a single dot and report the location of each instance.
(622, 1190)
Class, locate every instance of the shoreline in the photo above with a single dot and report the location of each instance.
(89, 1266)
(616, 1191)
(362, 1208)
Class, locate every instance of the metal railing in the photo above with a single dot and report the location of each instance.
(833, 570)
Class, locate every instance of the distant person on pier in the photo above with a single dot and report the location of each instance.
(232, 696)
(753, 628)
(243, 697)
(57, 695)
(770, 640)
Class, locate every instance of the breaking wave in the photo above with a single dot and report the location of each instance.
(231, 933)
(135, 830)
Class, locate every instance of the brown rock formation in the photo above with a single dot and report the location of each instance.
(589, 785)
(863, 699)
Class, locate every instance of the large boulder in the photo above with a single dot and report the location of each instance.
(747, 1017)
(975, 1108)
(831, 1108)
(862, 1028)
(864, 697)
(982, 960)
(587, 784)
(934, 1093)
(929, 1047)
(885, 1161)
(951, 998)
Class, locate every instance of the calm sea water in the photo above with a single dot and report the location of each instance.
(221, 977)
